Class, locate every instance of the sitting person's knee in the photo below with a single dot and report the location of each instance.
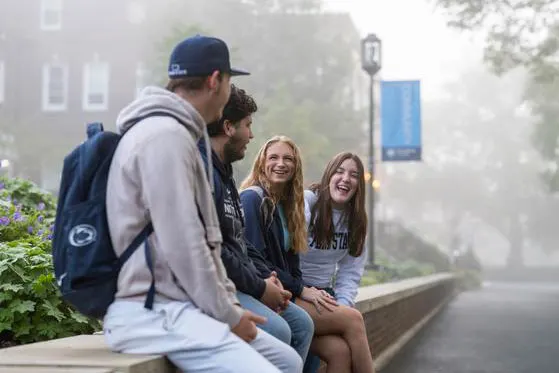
(354, 316)
(307, 322)
(279, 328)
(295, 361)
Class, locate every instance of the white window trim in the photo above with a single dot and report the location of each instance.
(86, 88)
(2, 82)
(54, 5)
(46, 83)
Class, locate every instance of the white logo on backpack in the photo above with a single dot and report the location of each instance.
(82, 235)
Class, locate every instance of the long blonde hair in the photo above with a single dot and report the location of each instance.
(292, 199)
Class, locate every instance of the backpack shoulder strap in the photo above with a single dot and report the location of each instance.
(267, 207)
(257, 189)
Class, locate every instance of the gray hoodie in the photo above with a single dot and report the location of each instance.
(157, 175)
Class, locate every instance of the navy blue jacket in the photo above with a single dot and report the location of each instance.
(267, 236)
(236, 254)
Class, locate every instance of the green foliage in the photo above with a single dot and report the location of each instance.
(521, 34)
(305, 88)
(411, 268)
(391, 270)
(374, 277)
(31, 308)
(541, 92)
(469, 280)
(27, 195)
(403, 254)
(409, 250)
(518, 32)
(159, 65)
(314, 144)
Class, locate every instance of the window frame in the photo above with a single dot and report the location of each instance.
(46, 87)
(87, 89)
(51, 6)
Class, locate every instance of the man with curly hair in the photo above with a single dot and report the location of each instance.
(259, 289)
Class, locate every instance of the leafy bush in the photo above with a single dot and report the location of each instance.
(469, 280)
(468, 260)
(375, 277)
(31, 308)
(402, 244)
(390, 270)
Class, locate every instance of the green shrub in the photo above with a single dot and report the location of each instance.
(403, 244)
(375, 277)
(469, 280)
(31, 308)
(390, 270)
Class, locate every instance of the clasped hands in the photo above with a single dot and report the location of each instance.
(275, 296)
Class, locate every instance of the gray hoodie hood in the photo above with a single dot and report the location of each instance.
(156, 100)
(159, 100)
(157, 175)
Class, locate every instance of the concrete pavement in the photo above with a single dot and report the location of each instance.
(502, 328)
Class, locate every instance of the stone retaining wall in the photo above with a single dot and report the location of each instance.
(392, 312)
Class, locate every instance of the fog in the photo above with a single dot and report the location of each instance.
(487, 179)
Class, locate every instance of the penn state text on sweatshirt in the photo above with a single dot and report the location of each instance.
(320, 265)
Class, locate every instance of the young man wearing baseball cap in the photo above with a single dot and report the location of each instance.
(157, 176)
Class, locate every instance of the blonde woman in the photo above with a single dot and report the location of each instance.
(273, 202)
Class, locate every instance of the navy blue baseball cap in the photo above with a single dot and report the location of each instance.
(201, 56)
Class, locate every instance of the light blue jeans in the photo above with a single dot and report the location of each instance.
(192, 340)
(294, 326)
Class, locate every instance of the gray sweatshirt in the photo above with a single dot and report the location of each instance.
(157, 175)
(321, 264)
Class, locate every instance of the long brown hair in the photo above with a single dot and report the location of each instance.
(292, 198)
(354, 214)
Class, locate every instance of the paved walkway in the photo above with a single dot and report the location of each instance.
(502, 328)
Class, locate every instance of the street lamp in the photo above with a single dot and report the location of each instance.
(371, 57)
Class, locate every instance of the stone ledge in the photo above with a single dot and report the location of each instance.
(84, 353)
(374, 297)
(54, 370)
(89, 354)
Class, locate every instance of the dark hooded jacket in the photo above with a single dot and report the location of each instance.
(244, 264)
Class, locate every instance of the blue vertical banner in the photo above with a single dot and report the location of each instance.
(401, 120)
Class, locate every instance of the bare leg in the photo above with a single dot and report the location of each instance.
(334, 350)
(348, 323)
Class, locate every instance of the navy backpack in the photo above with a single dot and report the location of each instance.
(86, 266)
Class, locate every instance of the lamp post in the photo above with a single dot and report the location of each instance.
(371, 56)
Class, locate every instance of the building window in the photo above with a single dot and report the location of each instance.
(55, 87)
(96, 86)
(51, 14)
(2, 81)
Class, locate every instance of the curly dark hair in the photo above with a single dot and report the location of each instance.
(239, 106)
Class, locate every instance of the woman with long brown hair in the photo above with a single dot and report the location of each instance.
(337, 226)
(273, 202)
